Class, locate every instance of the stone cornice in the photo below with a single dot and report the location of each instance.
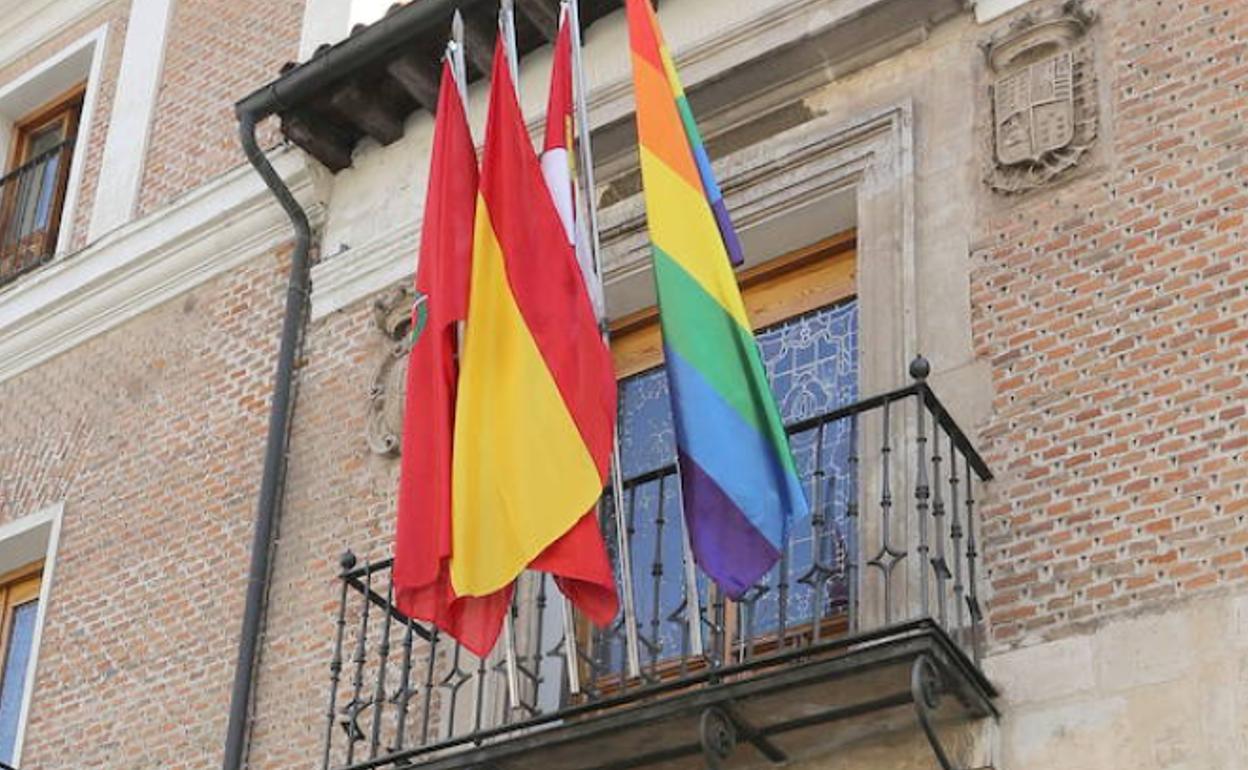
(145, 263)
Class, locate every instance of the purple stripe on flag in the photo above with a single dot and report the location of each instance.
(731, 551)
(736, 255)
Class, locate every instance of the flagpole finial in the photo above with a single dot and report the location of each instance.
(455, 54)
(507, 30)
(457, 26)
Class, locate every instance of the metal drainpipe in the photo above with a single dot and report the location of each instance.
(272, 483)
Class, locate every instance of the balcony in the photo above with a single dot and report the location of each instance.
(31, 197)
(870, 619)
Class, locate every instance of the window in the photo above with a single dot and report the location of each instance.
(806, 321)
(19, 611)
(32, 192)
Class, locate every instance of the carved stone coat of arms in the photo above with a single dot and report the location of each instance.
(384, 427)
(1043, 99)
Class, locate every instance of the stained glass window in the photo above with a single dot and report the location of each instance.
(812, 362)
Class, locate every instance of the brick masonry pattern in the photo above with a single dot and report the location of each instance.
(1113, 312)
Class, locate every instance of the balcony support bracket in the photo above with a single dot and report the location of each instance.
(926, 687)
(718, 730)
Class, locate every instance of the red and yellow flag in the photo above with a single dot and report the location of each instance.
(536, 410)
(422, 549)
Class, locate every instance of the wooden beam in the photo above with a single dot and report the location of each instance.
(325, 145)
(479, 46)
(417, 79)
(543, 14)
(369, 115)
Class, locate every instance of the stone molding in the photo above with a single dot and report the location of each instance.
(147, 262)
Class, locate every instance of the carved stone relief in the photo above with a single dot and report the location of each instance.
(393, 315)
(1043, 98)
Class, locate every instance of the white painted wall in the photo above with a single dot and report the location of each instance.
(328, 21)
(324, 21)
(125, 147)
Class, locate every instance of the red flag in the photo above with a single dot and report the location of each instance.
(557, 159)
(422, 548)
(536, 412)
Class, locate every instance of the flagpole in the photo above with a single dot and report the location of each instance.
(507, 28)
(455, 55)
(455, 51)
(589, 193)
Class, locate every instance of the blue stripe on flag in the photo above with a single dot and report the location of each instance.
(729, 450)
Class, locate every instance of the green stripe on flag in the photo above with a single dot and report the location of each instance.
(697, 328)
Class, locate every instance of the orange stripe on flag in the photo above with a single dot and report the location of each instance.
(658, 123)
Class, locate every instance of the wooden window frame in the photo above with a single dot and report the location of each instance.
(817, 276)
(65, 110)
(17, 587)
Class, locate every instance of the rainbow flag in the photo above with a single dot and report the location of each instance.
(739, 483)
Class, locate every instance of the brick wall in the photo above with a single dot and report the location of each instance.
(340, 495)
(152, 435)
(217, 52)
(1113, 312)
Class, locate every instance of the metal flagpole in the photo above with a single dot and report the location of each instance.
(588, 192)
(507, 28)
(455, 51)
(459, 70)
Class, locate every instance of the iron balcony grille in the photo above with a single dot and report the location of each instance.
(30, 211)
(891, 542)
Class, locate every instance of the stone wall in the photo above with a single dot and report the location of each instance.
(1152, 690)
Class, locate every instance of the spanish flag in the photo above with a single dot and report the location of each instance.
(536, 410)
(422, 548)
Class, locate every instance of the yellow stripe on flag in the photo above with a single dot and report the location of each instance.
(682, 226)
(522, 475)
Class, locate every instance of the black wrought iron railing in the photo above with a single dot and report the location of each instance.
(31, 196)
(892, 540)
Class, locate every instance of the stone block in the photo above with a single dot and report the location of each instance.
(1044, 672)
(1144, 651)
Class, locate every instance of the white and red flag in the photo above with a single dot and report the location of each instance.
(558, 166)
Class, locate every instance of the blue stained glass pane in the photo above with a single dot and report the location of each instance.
(16, 661)
(812, 363)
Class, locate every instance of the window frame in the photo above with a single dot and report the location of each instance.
(18, 587)
(65, 110)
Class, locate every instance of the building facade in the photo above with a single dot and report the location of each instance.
(995, 263)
